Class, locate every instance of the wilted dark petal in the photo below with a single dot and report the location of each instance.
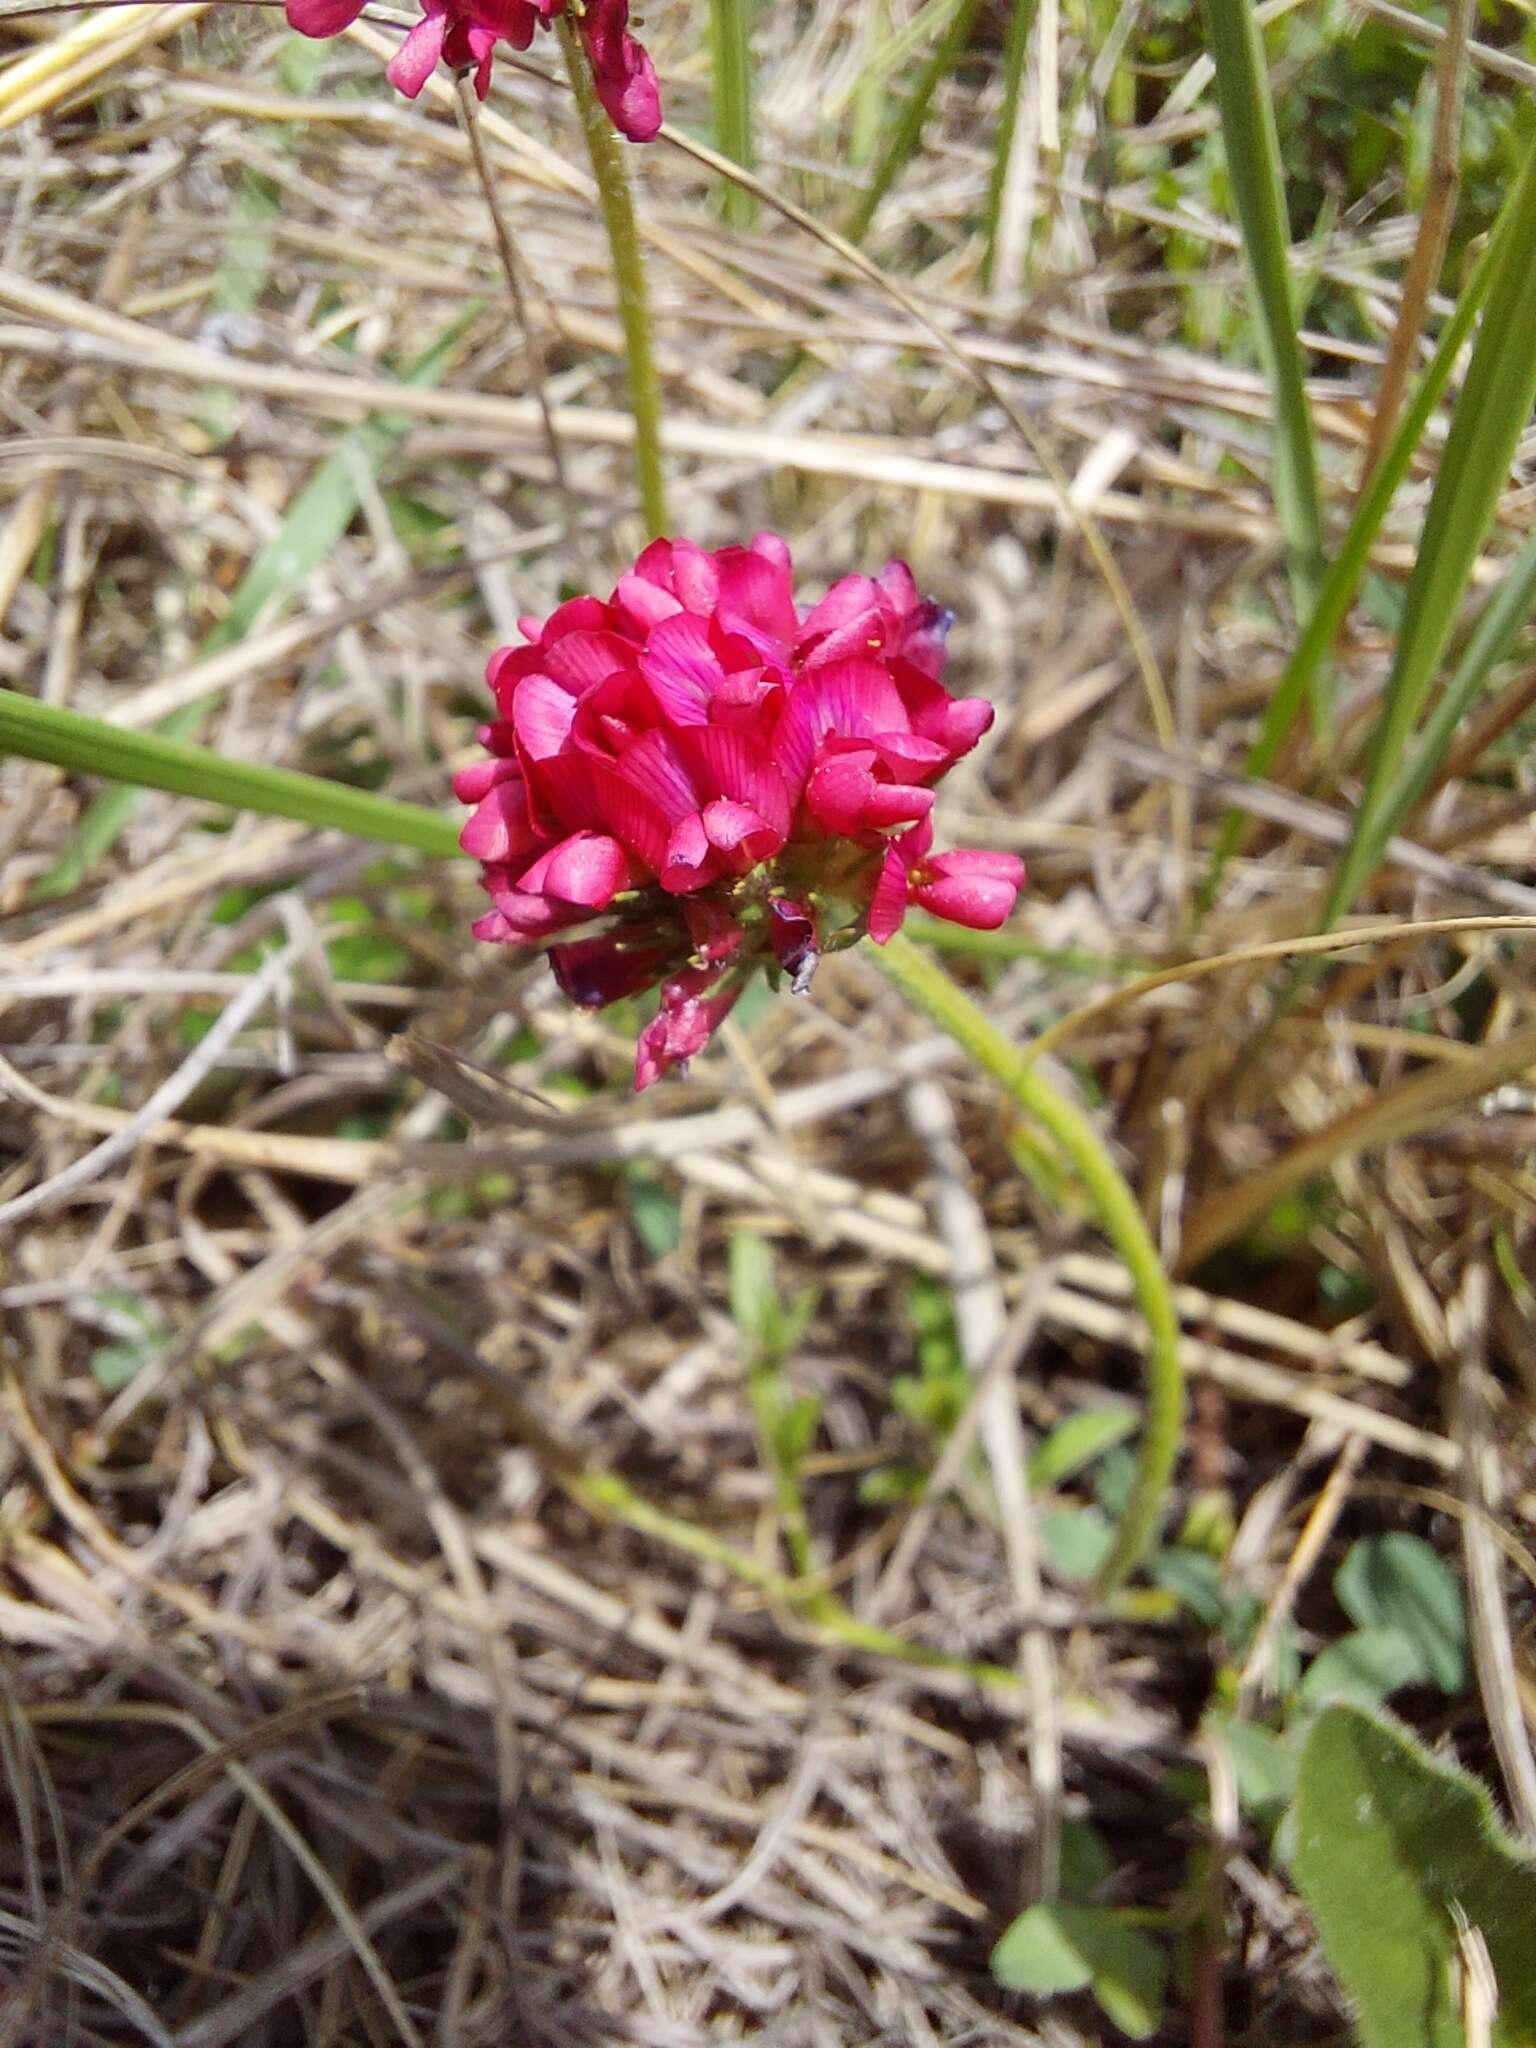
(597, 971)
(693, 1006)
(792, 934)
(713, 929)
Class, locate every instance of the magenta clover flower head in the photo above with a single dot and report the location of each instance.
(723, 782)
(463, 34)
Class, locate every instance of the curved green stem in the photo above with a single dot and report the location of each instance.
(925, 984)
(628, 276)
(607, 1495)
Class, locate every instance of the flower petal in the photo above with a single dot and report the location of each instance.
(976, 889)
(743, 835)
(589, 868)
(726, 763)
(597, 971)
(656, 768)
(682, 668)
(792, 935)
(845, 797)
(542, 711)
(321, 18)
(693, 1006)
(416, 59)
(690, 861)
(499, 828)
(622, 72)
(888, 905)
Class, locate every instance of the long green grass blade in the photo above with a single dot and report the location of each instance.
(1348, 565)
(908, 130)
(1253, 164)
(867, 105)
(69, 739)
(1492, 638)
(1491, 412)
(316, 520)
(1021, 22)
(917, 32)
(730, 48)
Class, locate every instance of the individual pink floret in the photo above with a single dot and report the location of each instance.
(463, 34)
(723, 783)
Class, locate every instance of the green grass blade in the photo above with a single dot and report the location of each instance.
(908, 130)
(868, 101)
(1494, 406)
(1253, 164)
(69, 739)
(1021, 22)
(931, 19)
(316, 520)
(1500, 620)
(730, 49)
(1348, 565)
(1492, 638)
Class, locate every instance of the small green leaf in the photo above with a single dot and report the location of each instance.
(1195, 1578)
(1086, 1859)
(1395, 1852)
(1398, 1581)
(653, 1210)
(114, 1365)
(1077, 1441)
(1366, 1667)
(1037, 1955)
(1263, 1762)
(1061, 1947)
(1075, 1541)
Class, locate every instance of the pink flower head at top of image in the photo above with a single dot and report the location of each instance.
(463, 34)
(717, 781)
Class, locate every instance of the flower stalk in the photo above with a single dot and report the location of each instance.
(618, 207)
(926, 985)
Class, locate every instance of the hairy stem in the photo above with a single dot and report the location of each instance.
(926, 985)
(628, 277)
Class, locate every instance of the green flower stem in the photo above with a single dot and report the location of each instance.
(612, 1498)
(925, 984)
(69, 739)
(628, 276)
